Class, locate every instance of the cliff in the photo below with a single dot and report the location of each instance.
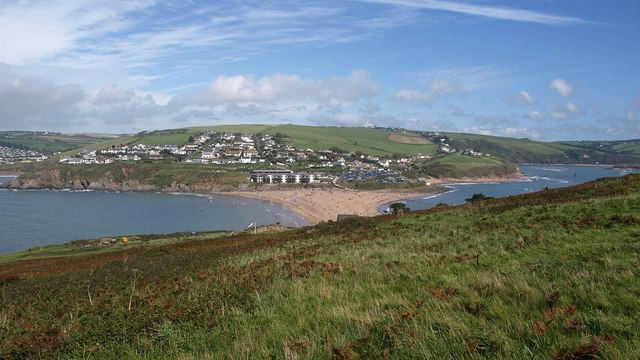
(125, 178)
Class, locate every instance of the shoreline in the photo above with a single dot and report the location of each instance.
(320, 204)
(316, 205)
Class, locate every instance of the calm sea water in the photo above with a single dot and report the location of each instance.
(538, 177)
(34, 218)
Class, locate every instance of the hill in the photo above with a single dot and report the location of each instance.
(457, 166)
(537, 152)
(365, 140)
(552, 274)
(49, 142)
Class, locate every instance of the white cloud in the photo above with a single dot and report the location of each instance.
(524, 98)
(562, 87)
(566, 111)
(493, 12)
(113, 95)
(42, 30)
(28, 102)
(534, 115)
(335, 91)
(436, 88)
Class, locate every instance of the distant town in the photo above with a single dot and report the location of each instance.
(10, 156)
(295, 164)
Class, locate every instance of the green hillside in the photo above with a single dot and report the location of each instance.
(553, 274)
(571, 152)
(456, 166)
(366, 140)
(369, 141)
(47, 142)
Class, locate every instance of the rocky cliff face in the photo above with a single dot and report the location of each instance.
(59, 179)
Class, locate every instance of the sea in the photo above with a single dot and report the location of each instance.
(30, 219)
(537, 178)
(35, 218)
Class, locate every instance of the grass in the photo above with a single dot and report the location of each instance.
(369, 141)
(541, 148)
(49, 143)
(461, 166)
(552, 274)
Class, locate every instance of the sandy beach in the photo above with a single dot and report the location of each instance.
(322, 204)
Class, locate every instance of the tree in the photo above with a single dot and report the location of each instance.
(477, 197)
(399, 208)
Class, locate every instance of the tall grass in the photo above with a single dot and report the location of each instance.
(547, 275)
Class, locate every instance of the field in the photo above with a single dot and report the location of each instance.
(49, 142)
(369, 141)
(525, 145)
(631, 147)
(456, 166)
(553, 274)
(407, 138)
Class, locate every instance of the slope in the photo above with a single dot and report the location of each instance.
(552, 274)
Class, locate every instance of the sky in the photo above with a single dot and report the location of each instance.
(539, 69)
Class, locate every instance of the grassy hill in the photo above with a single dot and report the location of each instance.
(49, 143)
(456, 166)
(367, 140)
(553, 274)
(563, 152)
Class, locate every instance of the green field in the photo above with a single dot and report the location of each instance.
(572, 152)
(525, 145)
(548, 275)
(368, 141)
(49, 142)
(464, 166)
(631, 147)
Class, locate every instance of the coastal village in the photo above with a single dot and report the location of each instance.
(12, 156)
(250, 151)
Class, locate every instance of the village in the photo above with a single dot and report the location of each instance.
(11, 156)
(310, 165)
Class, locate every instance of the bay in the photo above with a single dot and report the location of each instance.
(35, 218)
(537, 178)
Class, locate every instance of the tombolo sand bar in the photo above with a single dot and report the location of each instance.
(317, 205)
(322, 204)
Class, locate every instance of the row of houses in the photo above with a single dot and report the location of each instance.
(11, 156)
(286, 177)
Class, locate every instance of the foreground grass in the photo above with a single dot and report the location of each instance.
(546, 275)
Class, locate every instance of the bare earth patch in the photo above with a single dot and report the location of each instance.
(406, 139)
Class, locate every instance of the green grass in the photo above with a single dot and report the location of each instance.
(50, 143)
(631, 147)
(464, 166)
(541, 148)
(553, 274)
(368, 141)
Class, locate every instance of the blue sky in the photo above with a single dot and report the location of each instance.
(540, 69)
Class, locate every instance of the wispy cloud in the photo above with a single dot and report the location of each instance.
(562, 87)
(493, 12)
(453, 80)
(148, 34)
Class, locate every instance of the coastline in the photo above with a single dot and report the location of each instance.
(320, 204)
(316, 205)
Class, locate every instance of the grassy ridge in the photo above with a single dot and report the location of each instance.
(573, 152)
(50, 142)
(458, 166)
(366, 140)
(548, 274)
